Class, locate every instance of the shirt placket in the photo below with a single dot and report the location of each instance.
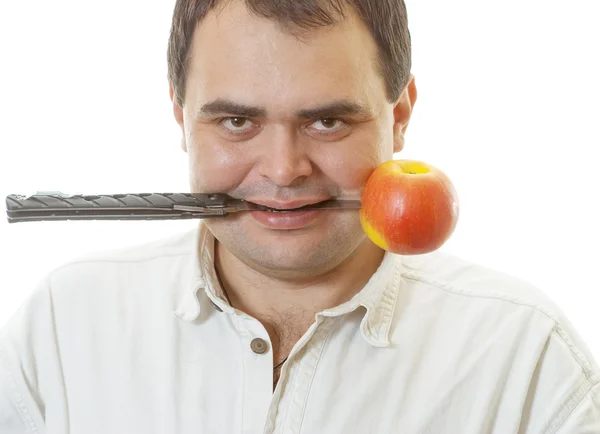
(257, 373)
(289, 401)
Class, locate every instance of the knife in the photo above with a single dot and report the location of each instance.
(55, 205)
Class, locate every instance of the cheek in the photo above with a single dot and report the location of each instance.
(215, 168)
(350, 165)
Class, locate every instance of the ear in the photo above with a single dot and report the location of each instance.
(178, 113)
(402, 112)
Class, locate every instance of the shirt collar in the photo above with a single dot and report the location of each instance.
(378, 297)
(187, 304)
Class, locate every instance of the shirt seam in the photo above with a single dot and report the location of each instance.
(583, 363)
(388, 305)
(327, 339)
(573, 402)
(52, 275)
(116, 260)
(58, 354)
(16, 397)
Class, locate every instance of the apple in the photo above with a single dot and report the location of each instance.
(408, 207)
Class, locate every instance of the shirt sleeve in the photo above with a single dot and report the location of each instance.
(585, 418)
(15, 414)
(30, 376)
(564, 390)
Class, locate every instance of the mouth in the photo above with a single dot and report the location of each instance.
(291, 207)
(290, 210)
(284, 211)
(290, 216)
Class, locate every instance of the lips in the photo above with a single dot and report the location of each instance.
(288, 206)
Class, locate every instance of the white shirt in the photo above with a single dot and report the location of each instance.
(136, 341)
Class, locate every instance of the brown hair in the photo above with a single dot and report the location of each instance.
(386, 19)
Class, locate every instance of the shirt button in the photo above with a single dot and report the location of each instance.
(259, 346)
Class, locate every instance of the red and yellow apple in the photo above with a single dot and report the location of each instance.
(408, 207)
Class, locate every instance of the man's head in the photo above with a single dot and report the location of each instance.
(386, 21)
(288, 102)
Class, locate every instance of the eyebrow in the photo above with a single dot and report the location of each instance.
(334, 109)
(222, 106)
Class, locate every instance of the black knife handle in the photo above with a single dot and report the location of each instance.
(138, 206)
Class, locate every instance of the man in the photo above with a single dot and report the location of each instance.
(290, 322)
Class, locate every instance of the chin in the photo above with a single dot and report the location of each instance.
(302, 254)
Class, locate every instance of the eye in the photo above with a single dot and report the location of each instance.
(328, 125)
(237, 124)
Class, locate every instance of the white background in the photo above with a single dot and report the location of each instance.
(508, 108)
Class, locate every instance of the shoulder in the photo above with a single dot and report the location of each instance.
(517, 326)
(498, 297)
(104, 282)
(165, 247)
(457, 277)
(123, 267)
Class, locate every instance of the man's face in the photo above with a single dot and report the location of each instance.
(276, 120)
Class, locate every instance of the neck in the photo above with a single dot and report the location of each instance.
(297, 300)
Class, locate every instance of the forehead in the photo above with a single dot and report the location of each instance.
(238, 56)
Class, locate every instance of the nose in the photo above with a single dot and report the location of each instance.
(284, 159)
